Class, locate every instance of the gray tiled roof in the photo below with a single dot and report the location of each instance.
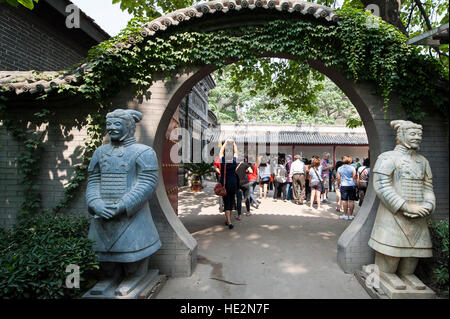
(292, 135)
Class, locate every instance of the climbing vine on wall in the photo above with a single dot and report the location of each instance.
(358, 49)
(30, 132)
(29, 157)
(94, 137)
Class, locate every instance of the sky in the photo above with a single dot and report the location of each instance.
(108, 16)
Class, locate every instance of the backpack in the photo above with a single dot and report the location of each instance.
(364, 177)
(281, 174)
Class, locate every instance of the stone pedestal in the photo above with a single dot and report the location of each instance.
(381, 286)
(146, 288)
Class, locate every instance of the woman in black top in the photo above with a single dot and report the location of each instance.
(228, 158)
(243, 190)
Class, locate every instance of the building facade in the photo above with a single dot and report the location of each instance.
(40, 40)
(185, 130)
(291, 139)
(195, 118)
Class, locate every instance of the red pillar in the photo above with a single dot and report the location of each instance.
(334, 155)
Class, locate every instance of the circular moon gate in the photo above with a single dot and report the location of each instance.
(177, 257)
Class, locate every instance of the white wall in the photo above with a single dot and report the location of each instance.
(310, 151)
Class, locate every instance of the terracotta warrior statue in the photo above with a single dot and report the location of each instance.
(402, 180)
(122, 176)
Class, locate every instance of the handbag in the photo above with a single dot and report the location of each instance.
(322, 187)
(219, 189)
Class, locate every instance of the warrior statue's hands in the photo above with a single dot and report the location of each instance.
(117, 208)
(412, 210)
(428, 207)
(102, 210)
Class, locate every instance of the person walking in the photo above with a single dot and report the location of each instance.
(330, 180)
(326, 167)
(217, 171)
(307, 188)
(288, 178)
(280, 181)
(337, 188)
(356, 163)
(363, 179)
(347, 180)
(264, 177)
(273, 161)
(297, 175)
(252, 180)
(315, 181)
(228, 178)
(243, 190)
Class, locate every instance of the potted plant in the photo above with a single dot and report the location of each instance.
(198, 170)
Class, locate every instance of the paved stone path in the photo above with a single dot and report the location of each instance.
(281, 251)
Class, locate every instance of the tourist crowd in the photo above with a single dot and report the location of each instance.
(299, 180)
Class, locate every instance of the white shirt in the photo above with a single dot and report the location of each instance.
(297, 167)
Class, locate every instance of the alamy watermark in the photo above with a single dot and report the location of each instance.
(203, 145)
(73, 19)
(73, 279)
(373, 279)
(373, 21)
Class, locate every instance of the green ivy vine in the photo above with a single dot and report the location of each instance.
(29, 157)
(377, 54)
(361, 52)
(26, 132)
(94, 137)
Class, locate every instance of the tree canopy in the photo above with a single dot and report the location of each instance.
(252, 102)
(152, 8)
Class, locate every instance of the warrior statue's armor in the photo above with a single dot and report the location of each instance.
(129, 173)
(404, 176)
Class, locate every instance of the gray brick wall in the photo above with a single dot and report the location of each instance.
(60, 155)
(11, 190)
(29, 42)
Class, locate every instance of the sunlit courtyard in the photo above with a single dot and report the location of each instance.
(282, 250)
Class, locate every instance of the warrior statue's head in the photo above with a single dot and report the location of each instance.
(121, 124)
(409, 134)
